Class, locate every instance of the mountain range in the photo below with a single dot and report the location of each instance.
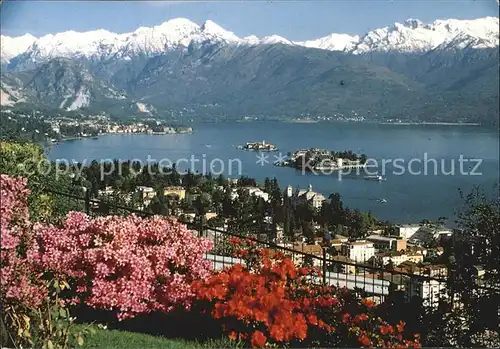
(443, 71)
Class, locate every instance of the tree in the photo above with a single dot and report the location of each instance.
(241, 219)
(221, 180)
(28, 160)
(202, 203)
(336, 214)
(267, 186)
(477, 244)
(227, 203)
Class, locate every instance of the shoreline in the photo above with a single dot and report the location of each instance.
(368, 122)
(431, 123)
(69, 139)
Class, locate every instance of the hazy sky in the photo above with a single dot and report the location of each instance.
(295, 20)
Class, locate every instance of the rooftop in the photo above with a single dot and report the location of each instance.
(382, 238)
(314, 249)
(359, 243)
(408, 225)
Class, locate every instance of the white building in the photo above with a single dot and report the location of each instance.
(398, 258)
(315, 198)
(146, 191)
(427, 234)
(359, 251)
(56, 128)
(254, 191)
(258, 193)
(387, 243)
(430, 291)
(406, 231)
(147, 194)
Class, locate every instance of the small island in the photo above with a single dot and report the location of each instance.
(315, 159)
(260, 146)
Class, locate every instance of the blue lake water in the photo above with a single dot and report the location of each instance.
(410, 197)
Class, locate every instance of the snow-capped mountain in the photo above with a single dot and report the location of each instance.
(415, 36)
(13, 46)
(275, 39)
(410, 36)
(103, 44)
(333, 42)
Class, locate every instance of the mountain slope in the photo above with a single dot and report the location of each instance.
(444, 71)
(65, 84)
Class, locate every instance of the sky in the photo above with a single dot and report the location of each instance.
(295, 20)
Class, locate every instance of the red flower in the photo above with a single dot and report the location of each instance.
(273, 294)
(303, 271)
(258, 339)
(233, 336)
(277, 333)
(385, 329)
(325, 326)
(401, 326)
(359, 318)
(249, 242)
(313, 319)
(368, 303)
(235, 241)
(364, 339)
(346, 318)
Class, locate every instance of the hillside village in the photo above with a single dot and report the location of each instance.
(404, 248)
(40, 126)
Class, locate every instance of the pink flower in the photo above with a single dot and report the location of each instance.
(129, 265)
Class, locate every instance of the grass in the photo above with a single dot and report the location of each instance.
(117, 339)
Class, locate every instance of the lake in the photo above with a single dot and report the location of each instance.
(413, 191)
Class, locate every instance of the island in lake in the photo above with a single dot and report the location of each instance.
(260, 146)
(324, 160)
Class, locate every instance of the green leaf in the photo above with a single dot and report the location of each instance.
(64, 285)
(50, 345)
(62, 313)
(80, 340)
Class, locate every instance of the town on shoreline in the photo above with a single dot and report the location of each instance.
(39, 127)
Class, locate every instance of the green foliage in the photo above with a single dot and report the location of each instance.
(28, 160)
(48, 327)
(475, 246)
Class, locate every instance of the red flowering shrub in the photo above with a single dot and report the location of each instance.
(129, 265)
(273, 301)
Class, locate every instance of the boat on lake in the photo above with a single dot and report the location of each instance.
(375, 178)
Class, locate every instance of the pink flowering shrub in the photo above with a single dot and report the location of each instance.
(126, 265)
(129, 265)
(20, 283)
